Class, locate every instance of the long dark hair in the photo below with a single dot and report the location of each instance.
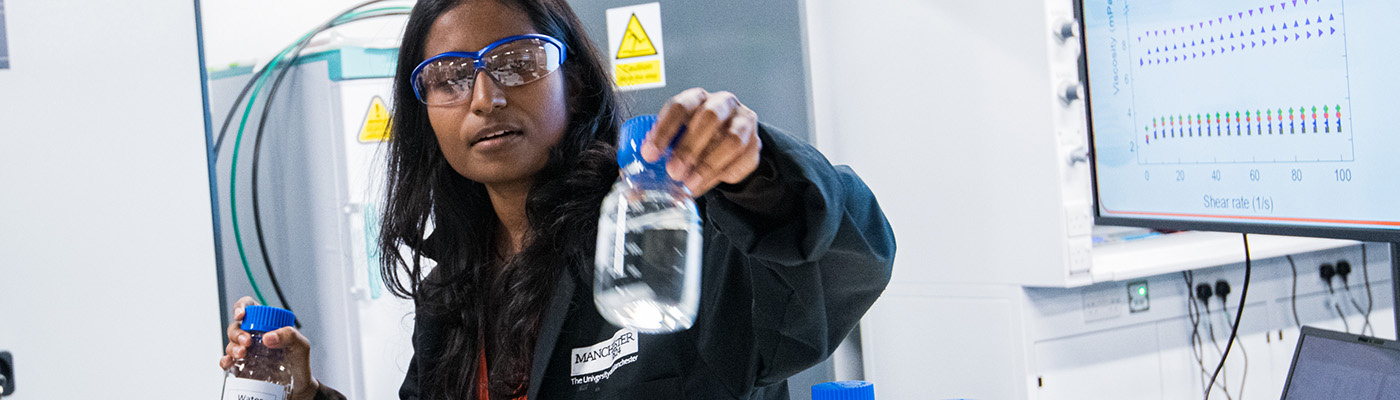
(473, 290)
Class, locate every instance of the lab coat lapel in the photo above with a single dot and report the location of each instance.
(550, 328)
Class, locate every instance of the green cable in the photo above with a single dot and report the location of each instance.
(238, 140)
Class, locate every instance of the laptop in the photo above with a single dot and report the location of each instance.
(1329, 365)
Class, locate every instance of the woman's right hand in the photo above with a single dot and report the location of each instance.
(298, 350)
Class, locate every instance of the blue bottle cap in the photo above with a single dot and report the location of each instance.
(266, 319)
(843, 390)
(629, 141)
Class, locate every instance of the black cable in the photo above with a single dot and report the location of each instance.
(1235, 329)
(1210, 327)
(257, 142)
(1294, 298)
(1245, 374)
(1345, 326)
(219, 142)
(1366, 275)
(257, 220)
(1193, 313)
(223, 131)
(257, 151)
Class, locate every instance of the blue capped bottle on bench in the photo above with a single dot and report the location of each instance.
(647, 265)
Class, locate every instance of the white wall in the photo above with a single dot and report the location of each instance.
(244, 31)
(107, 281)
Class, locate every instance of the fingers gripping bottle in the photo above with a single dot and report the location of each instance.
(647, 275)
(262, 374)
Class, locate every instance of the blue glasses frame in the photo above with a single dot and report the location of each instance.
(476, 57)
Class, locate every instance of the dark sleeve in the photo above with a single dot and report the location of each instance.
(409, 389)
(326, 393)
(816, 246)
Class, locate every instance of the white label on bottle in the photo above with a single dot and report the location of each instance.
(252, 389)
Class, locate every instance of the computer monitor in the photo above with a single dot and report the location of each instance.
(1261, 116)
(1329, 365)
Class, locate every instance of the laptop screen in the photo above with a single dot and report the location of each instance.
(1332, 369)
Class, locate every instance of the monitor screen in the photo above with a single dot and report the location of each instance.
(1265, 116)
(1328, 369)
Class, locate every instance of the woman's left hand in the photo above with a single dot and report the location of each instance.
(720, 143)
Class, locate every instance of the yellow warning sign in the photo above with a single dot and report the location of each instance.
(637, 46)
(638, 73)
(377, 123)
(635, 42)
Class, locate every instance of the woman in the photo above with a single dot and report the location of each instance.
(497, 170)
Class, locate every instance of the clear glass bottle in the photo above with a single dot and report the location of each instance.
(262, 374)
(647, 265)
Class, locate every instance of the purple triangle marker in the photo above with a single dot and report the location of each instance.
(1309, 34)
(1319, 32)
(1275, 40)
(1271, 8)
(1251, 13)
(1334, 31)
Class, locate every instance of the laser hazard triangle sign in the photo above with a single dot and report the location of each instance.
(635, 44)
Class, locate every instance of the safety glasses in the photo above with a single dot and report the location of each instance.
(447, 79)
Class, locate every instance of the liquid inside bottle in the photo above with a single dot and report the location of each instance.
(647, 275)
(262, 373)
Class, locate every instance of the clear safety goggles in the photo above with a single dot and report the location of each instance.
(447, 78)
